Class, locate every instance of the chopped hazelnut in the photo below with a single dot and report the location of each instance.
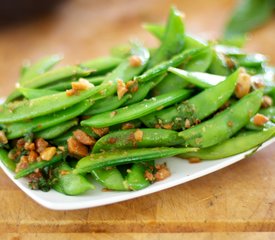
(3, 138)
(243, 85)
(187, 123)
(267, 102)
(82, 84)
(48, 153)
(84, 138)
(29, 146)
(32, 156)
(138, 135)
(121, 89)
(194, 160)
(162, 172)
(41, 145)
(135, 61)
(127, 126)
(260, 119)
(76, 148)
(149, 176)
(101, 131)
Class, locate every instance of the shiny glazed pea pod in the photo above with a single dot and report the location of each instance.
(38, 165)
(193, 110)
(40, 67)
(18, 129)
(107, 104)
(168, 84)
(136, 176)
(44, 105)
(219, 65)
(143, 90)
(56, 75)
(69, 183)
(173, 39)
(137, 138)
(136, 110)
(102, 64)
(99, 160)
(202, 80)
(225, 124)
(31, 93)
(57, 130)
(235, 145)
(110, 178)
(6, 160)
(177, 60)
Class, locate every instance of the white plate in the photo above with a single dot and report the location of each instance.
(182, 171)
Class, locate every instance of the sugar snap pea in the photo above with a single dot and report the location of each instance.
(6, 160)
(235, 145)
(110, 178)
(177, 60)
(107, 104)
(136, 110)
(136, 176)
(44, 105)
(38, 165)
(31, 93)
(202, 80)
(99, 160)
(69, 183)
(18, 129)
(102, 65)
(225, 124)
(57, 130)
(194, 110)
(173, 39)
(40, 67)
(126, 139)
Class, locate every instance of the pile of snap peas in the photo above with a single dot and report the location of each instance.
(109, 118)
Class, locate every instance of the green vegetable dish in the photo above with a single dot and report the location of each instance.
(110, 118)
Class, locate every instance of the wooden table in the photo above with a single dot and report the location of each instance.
(238, 198)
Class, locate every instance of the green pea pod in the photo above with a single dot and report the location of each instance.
(248, 15)
(201, 62)
(219, 65)
(38, 165)
(40, 67)
(143, 90)
(194, 109)
(225, 124)
(255, 60)
(269, 112)
(56, 75)
(107, 104)
(168, 84)
(110, 178)
(125, 139)
(173, 40)
(99, 160)
(235, 145)
(18, 129)
(62, 86)
(252, 126)
(69, 183)
(136, 177)
(6, 160)
(136, 110)
(103, 64)
(177, 60)
(202, 80)
(44, 105)
(31, 93)
(57, 130)
(121, 51)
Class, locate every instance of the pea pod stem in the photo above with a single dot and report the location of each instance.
(99, 160)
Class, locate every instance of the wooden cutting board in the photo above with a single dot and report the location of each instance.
(238, 198)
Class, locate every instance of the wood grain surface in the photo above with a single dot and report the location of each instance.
(240, 197)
